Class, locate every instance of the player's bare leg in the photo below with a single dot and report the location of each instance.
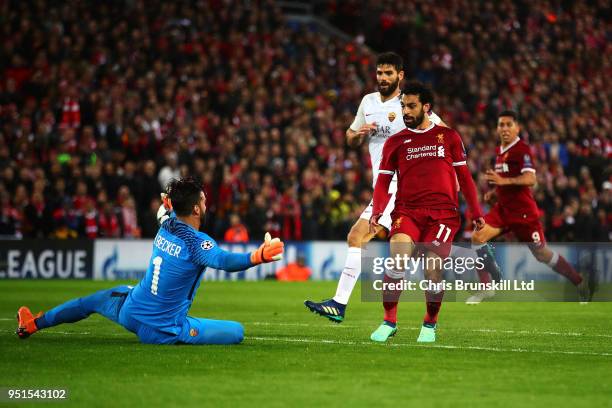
(400, 245)
(433, 298)
(560, 265)
(479, 244)
(334, 308)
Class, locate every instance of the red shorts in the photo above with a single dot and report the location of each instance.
(435, 229)
(526, 227)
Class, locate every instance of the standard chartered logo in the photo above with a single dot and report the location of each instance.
(424, 151)
(502, 167)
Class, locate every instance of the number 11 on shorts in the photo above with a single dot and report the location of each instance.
(442, 230)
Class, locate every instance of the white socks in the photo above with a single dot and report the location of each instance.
(350, 275)
(553, 261)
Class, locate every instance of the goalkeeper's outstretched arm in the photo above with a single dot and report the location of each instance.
(271, 250)
(211, 255)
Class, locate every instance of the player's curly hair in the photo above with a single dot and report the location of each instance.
(184, 194)
(424, 92)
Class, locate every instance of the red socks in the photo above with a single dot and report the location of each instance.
(433, 302)
(390, 300)
(564, 268)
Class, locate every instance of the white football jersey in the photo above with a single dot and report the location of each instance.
(389, 121)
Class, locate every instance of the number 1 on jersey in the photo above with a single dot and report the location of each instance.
(157, 261)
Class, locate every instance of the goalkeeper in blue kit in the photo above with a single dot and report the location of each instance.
(156, 309)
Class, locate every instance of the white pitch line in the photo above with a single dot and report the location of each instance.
(363, 343)
(71, 333)
(551, 333)
(531, 332)
(344, 326)
(438, 346)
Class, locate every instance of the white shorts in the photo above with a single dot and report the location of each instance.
(385, 220)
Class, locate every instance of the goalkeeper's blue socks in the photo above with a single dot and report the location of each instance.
(106, 302)
(69, 312)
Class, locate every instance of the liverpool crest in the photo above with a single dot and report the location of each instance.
(397, 223)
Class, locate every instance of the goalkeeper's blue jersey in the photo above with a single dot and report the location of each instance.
(180, 257)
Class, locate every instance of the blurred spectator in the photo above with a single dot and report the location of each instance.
(294, 271)
(130, 219)
(148, 219)
(108, 222)
(310, 218)
(8, 218)
(63, 231)
(91, 219)
(291, 216)
(236, 232)
(34, 217)
(256, 217)
(169, 171)
(111, 102)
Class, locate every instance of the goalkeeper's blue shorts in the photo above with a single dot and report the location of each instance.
(193, 330)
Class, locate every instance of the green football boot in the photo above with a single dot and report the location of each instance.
(428, 334)
(383, 333)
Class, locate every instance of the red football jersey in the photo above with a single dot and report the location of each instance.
(512, 161)
(424, 160)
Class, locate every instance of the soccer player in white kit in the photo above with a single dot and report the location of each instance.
(379, 117)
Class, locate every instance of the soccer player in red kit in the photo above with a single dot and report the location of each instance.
(429, 160)
(516, 210)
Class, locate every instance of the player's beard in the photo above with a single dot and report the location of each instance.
(416, 122)
(389, 89)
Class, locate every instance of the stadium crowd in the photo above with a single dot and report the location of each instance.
(101, 106)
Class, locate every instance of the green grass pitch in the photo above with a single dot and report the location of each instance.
(493, 355)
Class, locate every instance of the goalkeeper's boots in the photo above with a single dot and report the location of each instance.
(490, 264)
(383, 332)
(427, 334)
(26, 324)
(331, 309)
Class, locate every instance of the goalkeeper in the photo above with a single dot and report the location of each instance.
(156, 309)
